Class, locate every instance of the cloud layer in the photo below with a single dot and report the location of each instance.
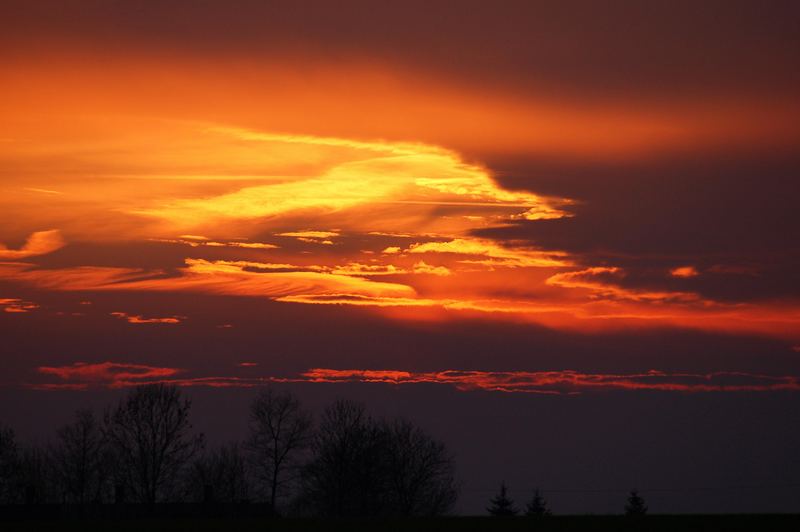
(84, 376)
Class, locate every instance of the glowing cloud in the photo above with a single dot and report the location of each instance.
(196, 241)
(566, 381)
(110, 374)
(319, 235)
(396, 211)
(114, 375)
(601, 281)
(17, 305)
(39, 243)
(684, 271)
(358, 174)
(423, 267)
(497, 255)
(139, 320)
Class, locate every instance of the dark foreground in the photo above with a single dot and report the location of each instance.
(759, 523)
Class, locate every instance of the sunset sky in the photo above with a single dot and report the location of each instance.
(573, 225)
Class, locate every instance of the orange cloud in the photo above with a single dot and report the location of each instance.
(39, 243)
(115, 375)
(497, 255)
(110, 374)
(424, 267)
(17, 305)
(137, 319)
(608, 306)
(222, 188)
(353, 178)
(317, 235)
(198, 241)
(213, 277)
(600, 281)
(306, 96)
(684, 271)
(567, 381)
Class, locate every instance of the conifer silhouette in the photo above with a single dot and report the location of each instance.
(636, 505)
(537, 507)
(501, 505)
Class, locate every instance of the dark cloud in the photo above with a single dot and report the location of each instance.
(286, 339)
(624, 49)
(734, 218)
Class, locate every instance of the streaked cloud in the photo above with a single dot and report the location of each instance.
(43, 190)
(359, 176)
(603, 282)
(110, 374)
(197, 241)
(318, 235)
(497, 254)
(567, 381)
(562, 382)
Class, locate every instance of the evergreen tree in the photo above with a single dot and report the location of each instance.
(636, 505)
(537, 507)
(501, 505)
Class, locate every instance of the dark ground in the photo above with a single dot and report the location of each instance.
(730, 522)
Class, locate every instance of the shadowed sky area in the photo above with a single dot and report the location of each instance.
(561, 235)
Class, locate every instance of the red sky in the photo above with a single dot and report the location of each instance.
(558, 198)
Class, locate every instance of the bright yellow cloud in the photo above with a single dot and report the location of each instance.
(415, 178)
(497, 255)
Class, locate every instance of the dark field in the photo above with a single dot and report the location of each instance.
(556, 523)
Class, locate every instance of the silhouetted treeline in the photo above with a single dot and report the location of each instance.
(143, 450)
(501, 505)
(364, 467)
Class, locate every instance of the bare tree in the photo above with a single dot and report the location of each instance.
(280, 429)
(420, 471)
(32, 475)
(24, 471)
(80, 460)
(219, 476)
(150, 436)
(8, 459)
(363, 468)
(344, 479)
